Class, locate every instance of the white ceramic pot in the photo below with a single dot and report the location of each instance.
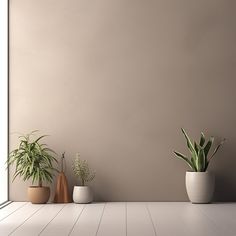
(200, 186)
(82, 194)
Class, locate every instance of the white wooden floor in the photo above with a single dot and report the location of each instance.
(119, 219)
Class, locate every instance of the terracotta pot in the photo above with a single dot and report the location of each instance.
(38, 195)
(82, 194)
(200, 186)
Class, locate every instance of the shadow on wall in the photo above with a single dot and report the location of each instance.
(225, 175)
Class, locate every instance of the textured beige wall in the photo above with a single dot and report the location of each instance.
(117, 79)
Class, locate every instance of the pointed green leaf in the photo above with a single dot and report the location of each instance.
(181, 156)
(40, 138)
(201, 161)
(202, 139)
(196, 147)
(189, 144)
(208, 146)
(194, 164)
(217, 148)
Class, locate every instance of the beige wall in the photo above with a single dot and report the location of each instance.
(116, 80)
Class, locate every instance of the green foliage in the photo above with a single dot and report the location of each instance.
(198, 160)
(81, 169)
(32, 159)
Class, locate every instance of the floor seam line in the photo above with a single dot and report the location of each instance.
(25, 220)
(76, 220)
(14, 211)
(100, 219)
(51, 219)
(126, 223)
(149, 213)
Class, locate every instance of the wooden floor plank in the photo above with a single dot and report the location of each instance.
(181, 219)
(11, 208)
(88, 223)
(113, 221)
(138, 220)
(119, 219)
(13, 221)
(36, 223)
(63, 223)
(223, 215)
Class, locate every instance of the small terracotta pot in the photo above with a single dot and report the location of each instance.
(38, 195)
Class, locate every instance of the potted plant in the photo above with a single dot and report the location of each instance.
(34, 160)
(199, 182)
(82, 193)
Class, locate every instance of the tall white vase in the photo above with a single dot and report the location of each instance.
(82, 194)
(200, 186)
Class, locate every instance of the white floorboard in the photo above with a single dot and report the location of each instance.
(138, 220)
(181, 219)
(222, 215)
(62, 224)
(113, 221)
(89, 221)
(119, 219)
(10, 209)
(36, 223)
(13, 221)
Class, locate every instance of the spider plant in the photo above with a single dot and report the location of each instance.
(198, 160)
(82, 171)
(33, 159)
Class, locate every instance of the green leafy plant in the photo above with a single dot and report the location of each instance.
(82, 171)
(32, 159)
(199, 160)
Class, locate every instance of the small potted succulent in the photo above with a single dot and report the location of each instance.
(199, 182)
(34, 160)
(82, 193)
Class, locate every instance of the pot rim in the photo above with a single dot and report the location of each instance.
(79, 186)
(199, 173)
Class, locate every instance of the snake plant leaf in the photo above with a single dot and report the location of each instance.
(201, 160)
(217, 148)
(189, 144)
(181, 156)
(193, 161)
(196, 147)
(208, 146)
(202, 139)
(198, 160)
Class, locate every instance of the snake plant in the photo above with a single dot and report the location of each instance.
(32, 159)
(198, 160)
